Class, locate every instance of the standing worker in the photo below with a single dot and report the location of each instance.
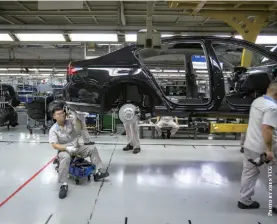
(242, 140)
(63, 136)
(167, 122)
(132, 136)
(260, 138)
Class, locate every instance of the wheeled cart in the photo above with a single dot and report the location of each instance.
(110, 125)
(39, 122)
(93, 123)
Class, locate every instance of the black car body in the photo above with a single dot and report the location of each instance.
(107, 82)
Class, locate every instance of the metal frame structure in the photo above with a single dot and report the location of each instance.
(121, 17)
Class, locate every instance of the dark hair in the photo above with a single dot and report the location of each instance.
(57, 108)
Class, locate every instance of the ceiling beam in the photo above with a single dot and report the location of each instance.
(199, 7)
(22, 6)
(184, 27)
(206, 20)
(237, 6)
(122, 15)
(11, 20)
(13, 36)
(3, 18)
(89, 9)
(41, 19)
(91, 13)
(68, 20)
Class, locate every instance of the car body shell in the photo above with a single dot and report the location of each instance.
(97, 79)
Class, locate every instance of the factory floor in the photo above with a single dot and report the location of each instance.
(169, 182)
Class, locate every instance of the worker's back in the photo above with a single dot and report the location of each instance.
(263, 111)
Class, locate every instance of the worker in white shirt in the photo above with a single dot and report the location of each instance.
(167, 122)
(261, 137)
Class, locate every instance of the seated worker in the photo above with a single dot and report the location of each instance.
(165, 122)
(64, 137)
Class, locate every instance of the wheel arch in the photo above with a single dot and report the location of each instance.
(119, 85)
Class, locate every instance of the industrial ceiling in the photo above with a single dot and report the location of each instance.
(107, 17)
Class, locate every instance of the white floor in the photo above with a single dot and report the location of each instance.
(169, 182)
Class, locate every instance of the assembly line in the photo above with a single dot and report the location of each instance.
(153, 112)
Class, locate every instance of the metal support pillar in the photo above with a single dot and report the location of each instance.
(248, 29)
(149, 27)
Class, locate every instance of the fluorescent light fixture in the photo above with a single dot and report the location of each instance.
(92, 37)
(266, 39)
(5, 37)
(40, 37)
(201, 71)
(222, 35)
(167, 35)
(33, 69)
(109, 44)
(15, 69)
(262, 39)
(131, 37)
(170, 70)
(182, 70)
(3, 69)
(45, 69)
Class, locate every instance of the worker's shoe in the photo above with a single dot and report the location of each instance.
(254, 205)
(63, 191)
(136, 150)
(100, 175)
(128, 148)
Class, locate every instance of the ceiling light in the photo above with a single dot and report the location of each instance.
(170, 70)
(109, 44)
(130, 37)
(45, 69)
(14, 69)
(262, 39)
(167, 35)
(40, 37)
(92, 37)
(266, 39)
(33, 69)
(5, 37)
(3, 69)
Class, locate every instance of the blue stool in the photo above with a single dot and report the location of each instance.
(79, 169)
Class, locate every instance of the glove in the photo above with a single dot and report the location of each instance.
(71, 149)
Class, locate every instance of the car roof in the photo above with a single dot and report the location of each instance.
(125, 56)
